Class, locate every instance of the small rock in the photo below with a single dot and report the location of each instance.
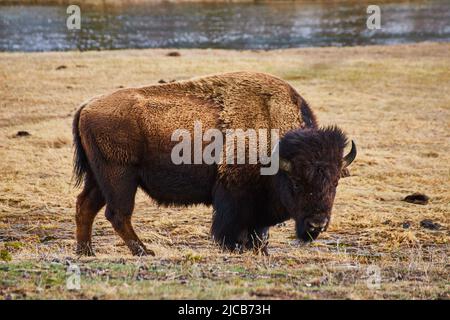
(173, 54)
(61, 67)
(406, 224)
(417, 198)
(164, 81)
(22, 134)
(431, 154)
(428, 224)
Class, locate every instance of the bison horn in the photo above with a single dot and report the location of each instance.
(285, 165)
(348, 159)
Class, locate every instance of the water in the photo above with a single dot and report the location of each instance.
(236, 26)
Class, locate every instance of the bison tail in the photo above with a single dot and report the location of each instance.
(80, 160)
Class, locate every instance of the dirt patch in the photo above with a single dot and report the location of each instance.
(22, 134)
(429, 224)
(417, 198)
(173, 54)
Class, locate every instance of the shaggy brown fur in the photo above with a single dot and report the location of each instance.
(123, 141)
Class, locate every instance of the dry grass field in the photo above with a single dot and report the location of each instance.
(394, 101)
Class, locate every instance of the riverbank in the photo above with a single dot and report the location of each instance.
(137, 2)
(392, 100)
(129, 2)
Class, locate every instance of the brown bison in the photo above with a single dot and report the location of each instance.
(123, 142)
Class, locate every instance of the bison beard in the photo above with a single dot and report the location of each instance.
(122, 143)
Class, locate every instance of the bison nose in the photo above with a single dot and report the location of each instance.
(317, 226)
(310, 228)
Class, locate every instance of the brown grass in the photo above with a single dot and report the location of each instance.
(394, 101)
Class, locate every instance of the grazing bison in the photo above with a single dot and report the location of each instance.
(123, 142)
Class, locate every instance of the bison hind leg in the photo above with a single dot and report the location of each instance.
(121, 222)
(119, 185)
(89, 203)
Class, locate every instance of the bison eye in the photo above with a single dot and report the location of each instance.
(296, 185)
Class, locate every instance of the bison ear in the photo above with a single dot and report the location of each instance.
(285, 165)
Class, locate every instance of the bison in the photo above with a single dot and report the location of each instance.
(123, 142)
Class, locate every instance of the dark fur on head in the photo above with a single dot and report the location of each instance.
(307, 191)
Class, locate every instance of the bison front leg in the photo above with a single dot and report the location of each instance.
(229, 224)
(231, 239)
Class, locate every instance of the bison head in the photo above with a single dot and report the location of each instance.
(311, 164)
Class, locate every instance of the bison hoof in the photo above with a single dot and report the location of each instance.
(138, 249)
(143, 252)
(85, 249)
(234, 248)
